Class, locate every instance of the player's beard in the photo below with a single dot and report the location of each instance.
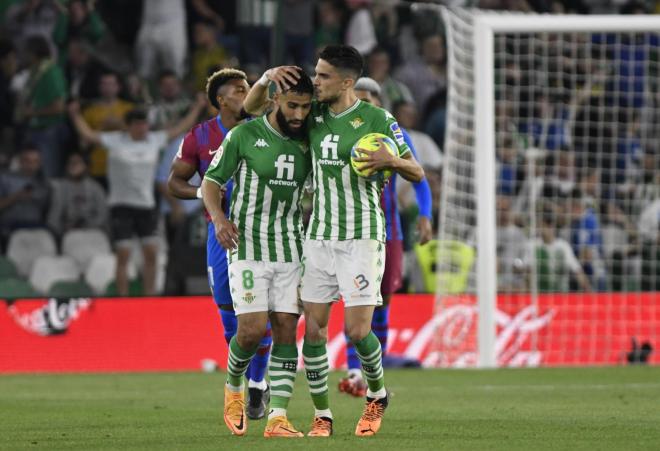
(299, 133)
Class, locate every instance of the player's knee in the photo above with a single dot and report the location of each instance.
(356, 332)
(315, 334)
(249, 338)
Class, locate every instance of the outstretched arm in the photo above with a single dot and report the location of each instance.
(189, 120)
(83, 129)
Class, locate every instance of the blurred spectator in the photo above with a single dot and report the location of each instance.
(40, 105)
(78, 20)
(132, 162)
(435, 116)
(329, 18)
(647, 182)
(24, 194)
(255, 20)
(426, 75)
(209, 12)
(207, 53)
(587, 240)
(172, 103)
(392, 91)
(530, 192)
(511, 248)
(78, 201)
(509, 172)
(555, 260)
(549, 125)
(8, 68)
(162, 41)
(82, 71)
(105, 114)
(619, 245)
(137, 90)
(562, 171)
(386, 24)
(428, 153)
(298, 31)
(649, 230)
(360, 30)
(30, 18)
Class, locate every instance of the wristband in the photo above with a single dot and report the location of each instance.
(264, 80)
(199, 193)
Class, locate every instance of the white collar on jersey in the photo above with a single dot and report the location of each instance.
(270, 127)
(346, 111)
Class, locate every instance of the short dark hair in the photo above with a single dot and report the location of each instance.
(218, 79)
(345, 58)
(134, 115)
(304, 84)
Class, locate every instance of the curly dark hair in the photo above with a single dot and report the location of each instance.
(218, 79)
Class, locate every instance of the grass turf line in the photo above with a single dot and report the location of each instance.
(578, 408)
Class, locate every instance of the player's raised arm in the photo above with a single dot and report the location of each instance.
(257, 99)
(189, 120)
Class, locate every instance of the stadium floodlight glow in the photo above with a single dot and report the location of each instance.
(478, 41)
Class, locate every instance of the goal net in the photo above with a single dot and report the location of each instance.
(549, 244)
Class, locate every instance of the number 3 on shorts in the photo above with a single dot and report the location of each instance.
(248, 279)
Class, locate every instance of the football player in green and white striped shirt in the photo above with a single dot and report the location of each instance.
(344, 254)
(270, 162)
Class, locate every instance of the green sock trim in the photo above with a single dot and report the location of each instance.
(240, 352)
(315, 356)
(237, 362)
(371, 357)
(284, 351)
(282, 373)
(314, 349)
(368, 344)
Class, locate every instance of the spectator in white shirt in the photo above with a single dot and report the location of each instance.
(133, 157)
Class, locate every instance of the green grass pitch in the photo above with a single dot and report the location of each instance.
(531, 409)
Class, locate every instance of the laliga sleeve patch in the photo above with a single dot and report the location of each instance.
(398, 134)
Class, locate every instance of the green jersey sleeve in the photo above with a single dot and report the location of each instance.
(226, 161)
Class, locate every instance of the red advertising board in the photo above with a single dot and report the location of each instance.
(178, 334)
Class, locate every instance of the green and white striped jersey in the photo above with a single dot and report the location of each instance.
(269, 172)
(346, 206)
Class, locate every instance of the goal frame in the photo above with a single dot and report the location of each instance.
(486, 24)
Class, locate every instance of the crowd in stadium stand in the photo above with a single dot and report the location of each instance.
(117, 58)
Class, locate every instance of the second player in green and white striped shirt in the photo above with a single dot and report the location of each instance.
(270, 162)
(346, 206)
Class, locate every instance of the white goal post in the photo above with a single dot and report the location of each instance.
(469, 174)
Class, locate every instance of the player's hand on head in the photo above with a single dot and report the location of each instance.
(226, 233)
(284, 76)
